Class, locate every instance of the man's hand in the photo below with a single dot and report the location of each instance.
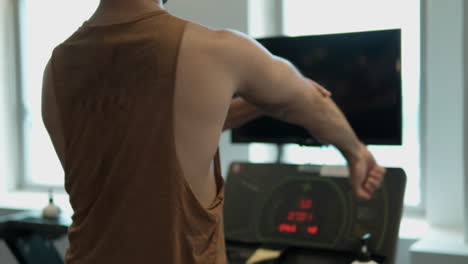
(366, 176)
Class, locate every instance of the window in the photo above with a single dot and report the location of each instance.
(43, 25)
(313, 17)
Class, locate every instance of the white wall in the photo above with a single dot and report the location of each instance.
(443, 111)
(8, 102)
(3, 111)
(465, 113)
(212, 13)
(265, 18)
(444, 56)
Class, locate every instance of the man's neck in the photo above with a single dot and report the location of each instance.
(110, 11)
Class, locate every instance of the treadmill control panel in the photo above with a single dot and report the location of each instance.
(285, 205)
(302, 214)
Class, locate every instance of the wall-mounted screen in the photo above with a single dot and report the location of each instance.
(363, 72)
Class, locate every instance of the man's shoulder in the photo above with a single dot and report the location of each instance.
(226, 45)
(223, 39)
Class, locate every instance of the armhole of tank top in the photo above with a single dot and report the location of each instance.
(216, 159)
(176, 73)
(217, 170)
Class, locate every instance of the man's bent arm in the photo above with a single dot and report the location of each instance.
(241, 112)
(276, 86)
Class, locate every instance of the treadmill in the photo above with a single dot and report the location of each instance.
(308, 214)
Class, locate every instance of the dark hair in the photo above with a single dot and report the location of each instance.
(165, 1)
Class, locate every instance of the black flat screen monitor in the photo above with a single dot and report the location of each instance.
(363, 72)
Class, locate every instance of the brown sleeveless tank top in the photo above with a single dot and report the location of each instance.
(115, 91)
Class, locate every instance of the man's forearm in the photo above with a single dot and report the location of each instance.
(323, 119)
(241, 112)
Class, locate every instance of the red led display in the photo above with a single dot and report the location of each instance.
(299, 216)
(287, 228)
(305, 204)
(300, 220)
(312, 230)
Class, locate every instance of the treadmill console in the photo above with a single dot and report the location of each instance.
(295, 206)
